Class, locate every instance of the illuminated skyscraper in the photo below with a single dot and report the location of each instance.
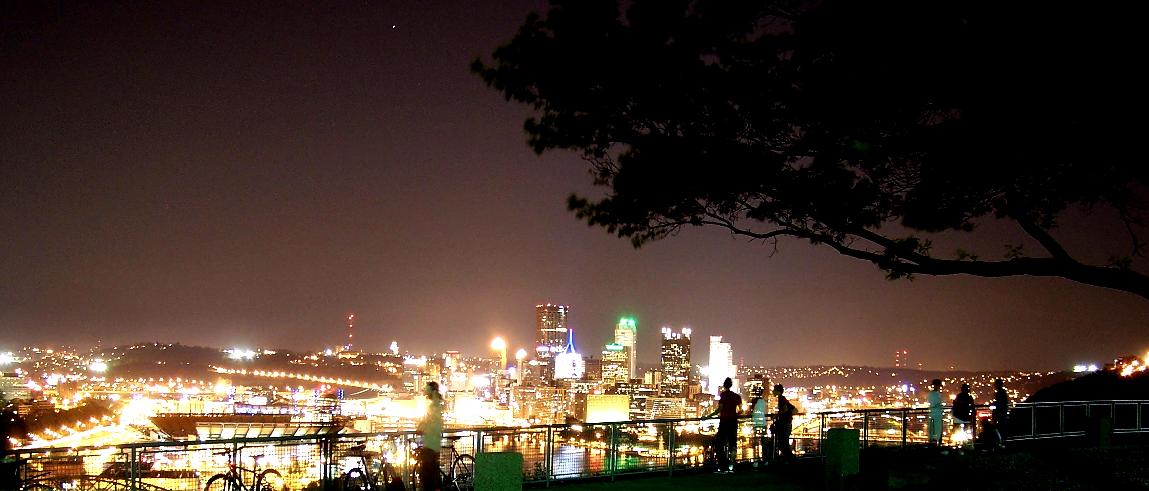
(614, 364)
(551, 328)
(569, 364)
(550, 336)
(675, 359)
(721, 363)
(626, 335)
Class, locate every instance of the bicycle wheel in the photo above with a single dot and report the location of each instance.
(220, 482)
(356, 480)
(270, 480)
(463, 473)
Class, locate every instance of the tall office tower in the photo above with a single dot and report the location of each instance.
(901, 359)
(614, 365)
(675, 361)
(721, 363)
(551, 327)
(626, 335)
(550, 336)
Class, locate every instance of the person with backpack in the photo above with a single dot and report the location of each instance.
(963, 413)
(783, 425)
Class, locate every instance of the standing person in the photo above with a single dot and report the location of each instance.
(431, 429)
(963, 413)
(999, 412)
(935, 400)
(729, 406)
(758, 416)
(783, 425)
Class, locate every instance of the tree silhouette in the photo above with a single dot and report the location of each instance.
(861, 125)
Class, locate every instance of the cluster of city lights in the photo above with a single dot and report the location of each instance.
(1132, 366)
(305, 377)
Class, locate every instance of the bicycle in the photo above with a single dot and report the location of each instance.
(361, 478)
(460, 475)
(232, 480)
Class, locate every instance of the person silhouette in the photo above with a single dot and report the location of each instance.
(783, 425)
(962, 412)
(999, 412)
(936, 412)
(729, 406)
(431, 429)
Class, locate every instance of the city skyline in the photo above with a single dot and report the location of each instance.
(250, 174)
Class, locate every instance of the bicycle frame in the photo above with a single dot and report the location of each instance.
(232, 480)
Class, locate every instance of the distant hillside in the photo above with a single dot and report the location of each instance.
(158, 360)
(154, 360)
(861, 376)
(1104, 385)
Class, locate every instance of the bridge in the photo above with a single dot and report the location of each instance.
(673, 448)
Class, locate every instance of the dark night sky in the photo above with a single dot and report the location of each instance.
(247, 174)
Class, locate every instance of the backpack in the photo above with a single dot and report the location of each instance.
(963, 407)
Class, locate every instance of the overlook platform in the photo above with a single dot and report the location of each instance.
(1027, 467)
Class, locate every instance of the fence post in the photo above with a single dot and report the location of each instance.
(324, 465)
(1061, 418)
(865, 429)
(905, 421)
(613, 454)
(548, 455)
(670, 447)
(1033, 420)
(821, 435)
(134, 474)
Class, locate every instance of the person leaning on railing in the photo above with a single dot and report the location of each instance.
(963, 411)
(758, 417)
(783, 425)
(936, 412)
(729, 406)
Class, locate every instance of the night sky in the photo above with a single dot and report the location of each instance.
(246, 173)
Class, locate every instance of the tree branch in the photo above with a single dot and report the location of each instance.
(897, 258)
(1045, 239)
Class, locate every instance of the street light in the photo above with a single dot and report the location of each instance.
(499, 345)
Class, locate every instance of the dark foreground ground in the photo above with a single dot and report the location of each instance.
(1034, 467)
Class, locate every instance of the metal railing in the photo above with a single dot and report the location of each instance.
(550, 452)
